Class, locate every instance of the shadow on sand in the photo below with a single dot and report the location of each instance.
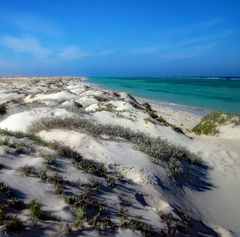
(196, 177)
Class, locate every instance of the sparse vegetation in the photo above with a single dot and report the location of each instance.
(150, 111)
(80, 213)
(77, 159)
(105, 107)
(111, 181)
(136, 225)
(158, 120)
(173, 225)
(19, 146)
(210, 123)
(49, 160)
(26, 170)
(155, 147)
(34, 138)
(42, 174)
(70, 199)
(36, 212)
(174, 169)
(88, 200)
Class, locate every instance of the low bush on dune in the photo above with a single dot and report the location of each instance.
(155, 147)
(136, 225)
(174, 169)
(25, 170)
(35, 139)
(36, 212)
(209, 124)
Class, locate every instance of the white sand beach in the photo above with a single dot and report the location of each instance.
(160, 178)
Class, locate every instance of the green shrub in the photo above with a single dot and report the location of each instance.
(78, 224)
(42, 174)
(136, 225)
(209, 124)
(26, 170)
(35, 210)
(71, 199)
(80, 213)
(105, 107)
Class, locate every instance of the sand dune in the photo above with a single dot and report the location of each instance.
(134, 185)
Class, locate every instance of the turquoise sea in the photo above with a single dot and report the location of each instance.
(203, 92)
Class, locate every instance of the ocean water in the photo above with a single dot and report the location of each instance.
(222, 94)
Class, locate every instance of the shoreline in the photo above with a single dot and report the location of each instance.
(191, 94)
(179, 107)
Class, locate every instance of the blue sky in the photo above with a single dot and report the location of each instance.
(120, 38)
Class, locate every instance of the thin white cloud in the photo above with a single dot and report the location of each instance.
(25, 45)
(190, 28)
(191, 52)
(147, 50)
(72, 53)
(165, 45)
(31, 23)
(109, 51)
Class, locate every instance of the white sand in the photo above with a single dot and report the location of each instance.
(21, 121)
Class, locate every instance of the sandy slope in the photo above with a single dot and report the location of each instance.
(211, 196)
